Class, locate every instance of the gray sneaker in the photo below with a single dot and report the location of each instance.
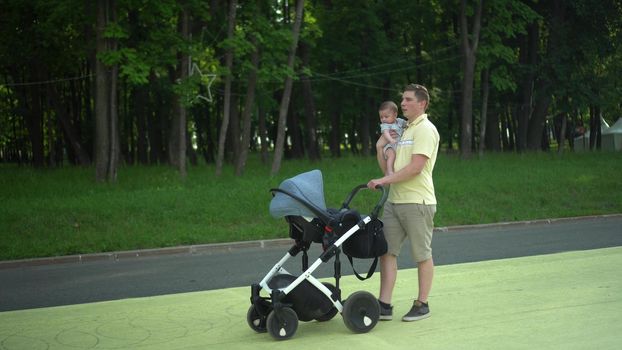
(419, 311)
(386, 313)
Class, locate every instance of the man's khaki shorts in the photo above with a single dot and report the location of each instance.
(412, 221)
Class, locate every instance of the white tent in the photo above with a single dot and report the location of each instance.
(612, 137)
(582, 143)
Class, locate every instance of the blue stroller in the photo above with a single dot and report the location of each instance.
(300, 200)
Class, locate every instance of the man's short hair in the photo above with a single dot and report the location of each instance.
(388, 105)
(421, 93)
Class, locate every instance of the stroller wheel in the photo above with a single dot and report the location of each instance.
(282, 324)
(255, 320)
(328, 316)
(361, 312)
(333, 311)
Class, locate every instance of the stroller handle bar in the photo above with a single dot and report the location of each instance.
(324, 216)
(379, 204)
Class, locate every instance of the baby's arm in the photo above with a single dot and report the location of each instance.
(387, 136)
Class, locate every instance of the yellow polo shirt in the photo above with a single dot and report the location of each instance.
(420, 137)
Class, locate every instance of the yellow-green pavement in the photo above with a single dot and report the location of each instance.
(560, 301)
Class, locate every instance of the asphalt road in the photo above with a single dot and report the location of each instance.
(29, 287)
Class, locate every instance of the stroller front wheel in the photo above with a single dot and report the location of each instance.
(256, 321)
(283, 323)
(361, 312)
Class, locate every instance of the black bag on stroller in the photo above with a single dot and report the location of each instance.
(300, 200)
(368, 243)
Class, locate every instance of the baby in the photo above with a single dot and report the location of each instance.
(387, 143)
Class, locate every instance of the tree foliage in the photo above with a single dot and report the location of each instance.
(537, 64)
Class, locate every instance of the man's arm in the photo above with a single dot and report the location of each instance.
(413, 168)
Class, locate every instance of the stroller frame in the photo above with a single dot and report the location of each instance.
(273, 314)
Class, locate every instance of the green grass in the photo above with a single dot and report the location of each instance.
(63, 211)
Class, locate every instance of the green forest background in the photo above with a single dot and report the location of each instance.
(112, 82)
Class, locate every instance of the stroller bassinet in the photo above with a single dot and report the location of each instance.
(300, 200)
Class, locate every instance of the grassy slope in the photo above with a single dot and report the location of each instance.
(62, 211)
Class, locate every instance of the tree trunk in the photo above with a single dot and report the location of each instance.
(280, 138)
(53, 143)
(184, 72)
(544, 96)
(528, 57)
(102, 97)
(191, 154)
(537, 121)
(248, 107)
(484, 118)
(546, 142)
(454, 98)
(68, 128)
(352, 139)
(419, 60)
(364, 125)
(595, 126)
(493, 142)
(466, 117)
(157, 124)
(177, 142)
(562, 134)
(227, 105)
(113, 129)
(140, 108)
(313, 150)
(263, 134)
(295, 135)
(232, 143)
(506, 129)
(87, 98)
(74, 114)
(33, 116)
(469, 51)
(202, 121)
(335, 130)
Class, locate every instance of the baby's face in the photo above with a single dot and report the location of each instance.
(387, 116)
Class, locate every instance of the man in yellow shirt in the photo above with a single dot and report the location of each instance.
(410, 208)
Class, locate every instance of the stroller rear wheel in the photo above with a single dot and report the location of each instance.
(333, 310)
(282, 324)
(256, 321)
(361, 312)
